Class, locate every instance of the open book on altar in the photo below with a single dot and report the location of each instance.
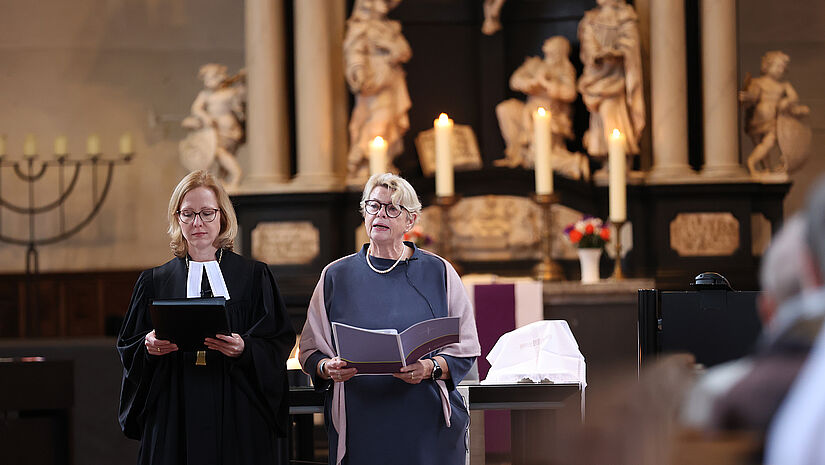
(385, 351)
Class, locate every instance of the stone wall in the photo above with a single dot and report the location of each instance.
(101, 66)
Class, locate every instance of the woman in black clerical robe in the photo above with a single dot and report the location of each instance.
(231, 409)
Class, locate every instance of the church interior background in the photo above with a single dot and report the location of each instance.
(85, 72)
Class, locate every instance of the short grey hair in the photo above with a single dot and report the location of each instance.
(403, 193)
(780, 274)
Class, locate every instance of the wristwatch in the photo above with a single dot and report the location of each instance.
(436, 369)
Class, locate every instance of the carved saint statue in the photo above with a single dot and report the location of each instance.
(549, 83)
(216, 124)
(611, 81)
(773, 117)
(374, 50)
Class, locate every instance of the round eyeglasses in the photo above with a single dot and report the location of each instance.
(207, 215)
(373, 207)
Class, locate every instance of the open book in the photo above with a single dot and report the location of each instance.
(385, 351)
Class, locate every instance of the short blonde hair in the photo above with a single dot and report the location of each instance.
(229, 222)
(403, 193)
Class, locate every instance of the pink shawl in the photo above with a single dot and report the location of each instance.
(317, 335)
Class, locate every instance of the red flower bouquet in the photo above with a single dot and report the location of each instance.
(588, 233)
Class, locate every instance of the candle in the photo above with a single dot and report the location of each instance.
(618, 181)
(29, 146)
(443, 156)
(93, 145)
(378, 155)
(541, 150)
(125, 145)
(2, 145)
(61, 145)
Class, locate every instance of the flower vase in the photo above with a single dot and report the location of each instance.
(589, 261)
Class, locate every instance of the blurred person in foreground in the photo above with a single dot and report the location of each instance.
(230, 409)
(797, 434)
(415, 416)
(744, 394)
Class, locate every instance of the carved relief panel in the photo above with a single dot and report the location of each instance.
(704, 234)
(285, 242)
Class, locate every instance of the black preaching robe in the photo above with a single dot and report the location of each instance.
(231, 410)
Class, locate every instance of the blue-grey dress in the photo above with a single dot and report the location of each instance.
(389, 420)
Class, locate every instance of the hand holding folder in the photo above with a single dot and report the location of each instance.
(385, 351)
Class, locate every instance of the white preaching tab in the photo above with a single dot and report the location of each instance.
(213, 273)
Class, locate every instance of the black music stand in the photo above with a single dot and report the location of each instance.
(712, 321)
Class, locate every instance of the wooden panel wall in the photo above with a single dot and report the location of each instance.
(64, 304)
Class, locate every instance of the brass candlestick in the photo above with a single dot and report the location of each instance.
(618, 275)
(547, 269)
(445, 204)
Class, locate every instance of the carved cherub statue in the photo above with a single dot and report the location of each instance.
(374, 50)
(772, 116)
(217, 124)
(548, 83)
(611, 80)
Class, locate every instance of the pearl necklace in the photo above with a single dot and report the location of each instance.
(369, 249)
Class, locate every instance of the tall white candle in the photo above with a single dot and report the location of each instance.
(618, 182)
(541, 148)
(125, 145)
(93, 145)
(443, 156)
(378, 155)
(61, 145)
(30, 145)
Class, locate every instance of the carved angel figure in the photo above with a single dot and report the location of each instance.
(374, 50)
(772, 116)
(611, 81)
(549, 83)
(217, 124)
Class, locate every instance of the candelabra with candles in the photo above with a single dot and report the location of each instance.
(30, 170)
(617, 190)
(445, 196)
(547, 269)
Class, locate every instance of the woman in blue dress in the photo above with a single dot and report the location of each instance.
(416, 415)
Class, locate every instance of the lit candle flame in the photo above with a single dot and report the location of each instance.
(378, 141)
(541, 111)
(616, 133)
(443, 119)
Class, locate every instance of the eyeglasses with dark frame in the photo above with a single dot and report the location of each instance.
(373, 207)
(207, 215)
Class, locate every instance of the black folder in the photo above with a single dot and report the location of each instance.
(187, 322)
